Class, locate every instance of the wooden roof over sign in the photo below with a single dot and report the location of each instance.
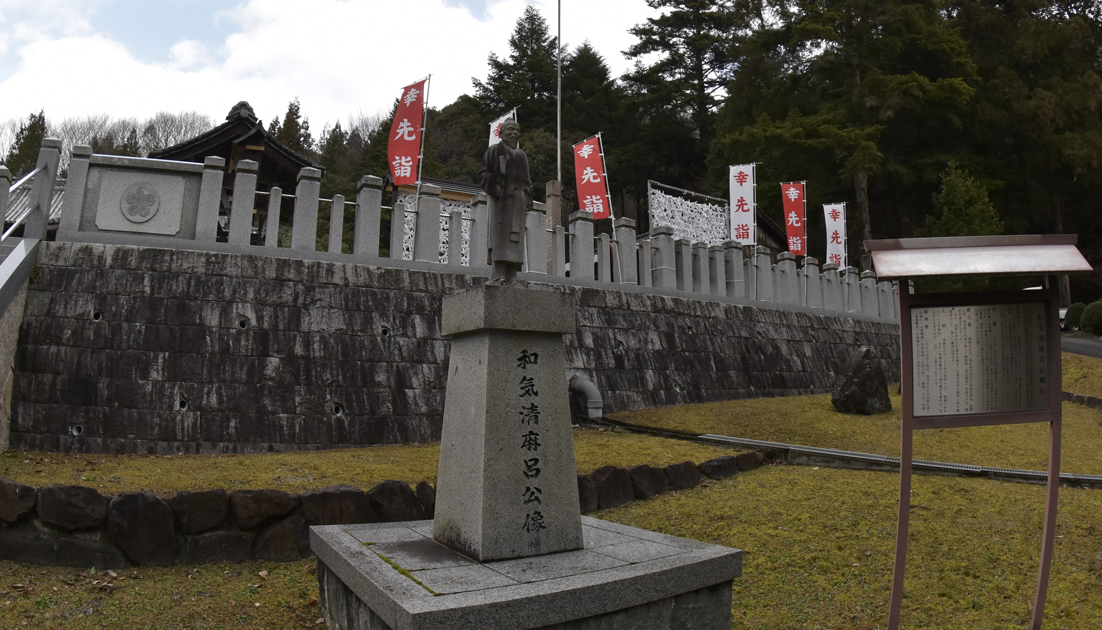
(969, 255)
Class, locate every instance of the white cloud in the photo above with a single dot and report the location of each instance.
(337, 57)
(187, 53)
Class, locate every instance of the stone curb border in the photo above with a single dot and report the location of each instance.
(68, 525)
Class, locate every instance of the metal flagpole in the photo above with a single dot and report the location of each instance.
(604, 173)
(424, 130)
(806, 241)
(558, 105)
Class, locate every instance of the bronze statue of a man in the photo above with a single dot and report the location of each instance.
(504, 176)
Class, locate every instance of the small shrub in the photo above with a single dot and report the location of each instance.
(1073, 315)
(1091, 320)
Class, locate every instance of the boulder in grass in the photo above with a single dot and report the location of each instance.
(395, 501)
(142, 526)
(426, 493)
(647, 482)
(587, 494)
(613, 487)
(720, 467)
(683, 476)
(286, 541)
(252, 507)
(861, 387)
(71, 507)
(199, 511)
(16, 500)
(338, 504)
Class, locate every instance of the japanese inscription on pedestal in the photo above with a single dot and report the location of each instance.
(979, 359)
(529, 412)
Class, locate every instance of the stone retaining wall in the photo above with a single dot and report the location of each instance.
(127, 349)
(77, 526)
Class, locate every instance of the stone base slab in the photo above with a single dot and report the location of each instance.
(393, 576)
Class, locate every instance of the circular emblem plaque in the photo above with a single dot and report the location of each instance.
(140, 202)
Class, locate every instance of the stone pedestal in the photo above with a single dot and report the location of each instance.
(507, 484)
(508, 548)
(393, 576)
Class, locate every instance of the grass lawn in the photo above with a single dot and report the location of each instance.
(311, 470)
(813, 421)
(819, 545)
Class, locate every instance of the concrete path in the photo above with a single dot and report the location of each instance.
(1075, 345)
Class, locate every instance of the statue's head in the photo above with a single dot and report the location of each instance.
(510, 133)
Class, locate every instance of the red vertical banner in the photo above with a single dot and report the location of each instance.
(589, 172)
(795, 215)
(404, 147)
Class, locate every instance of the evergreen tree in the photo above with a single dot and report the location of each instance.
(692, 39)
(294, 131)
(527, 78)
(23, 155)
(863, 88)
(963, 209)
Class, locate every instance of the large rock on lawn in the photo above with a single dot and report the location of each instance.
(861, 386)
(71, 507)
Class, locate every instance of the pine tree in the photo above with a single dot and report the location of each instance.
(294, 131)
(693, 41)
(23, 155)
(527, 78)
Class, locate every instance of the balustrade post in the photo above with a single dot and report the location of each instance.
(785, 279)
(683, 262)
(763, 275)
(852, 290)
(304, 229)
(455, 238)
(627, 264)
(42, 190)
(75, 183)
(5, 184)
(604, 257)
(717, 271)
(426, 235)
(701, 282)
(832, 289)
(665, 259)
(645, 254)
(869, 303)
(369, 208)
(210, 199)
(558, 251)
(812, 284)
(271, 226)
(734, 269)
(535, 239)
(581, 245)
(244, 199)
(479, 248)
(397, 230)
(336, 225)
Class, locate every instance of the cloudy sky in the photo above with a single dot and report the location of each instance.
(136, 57)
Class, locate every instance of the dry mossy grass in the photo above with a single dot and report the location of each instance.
(813, 421)
(819, 546)
(311, 470)
(1082, 374)
(209, 596)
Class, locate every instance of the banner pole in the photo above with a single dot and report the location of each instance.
(424, 130)
(604, 173)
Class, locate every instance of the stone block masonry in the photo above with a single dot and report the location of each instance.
(127, 349)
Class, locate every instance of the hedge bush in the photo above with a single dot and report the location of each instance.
(1091, 319)
(1073, 315)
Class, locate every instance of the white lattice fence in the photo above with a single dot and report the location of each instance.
(446, 206)
(697, 221)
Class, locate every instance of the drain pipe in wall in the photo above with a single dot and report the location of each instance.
(594, 404)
